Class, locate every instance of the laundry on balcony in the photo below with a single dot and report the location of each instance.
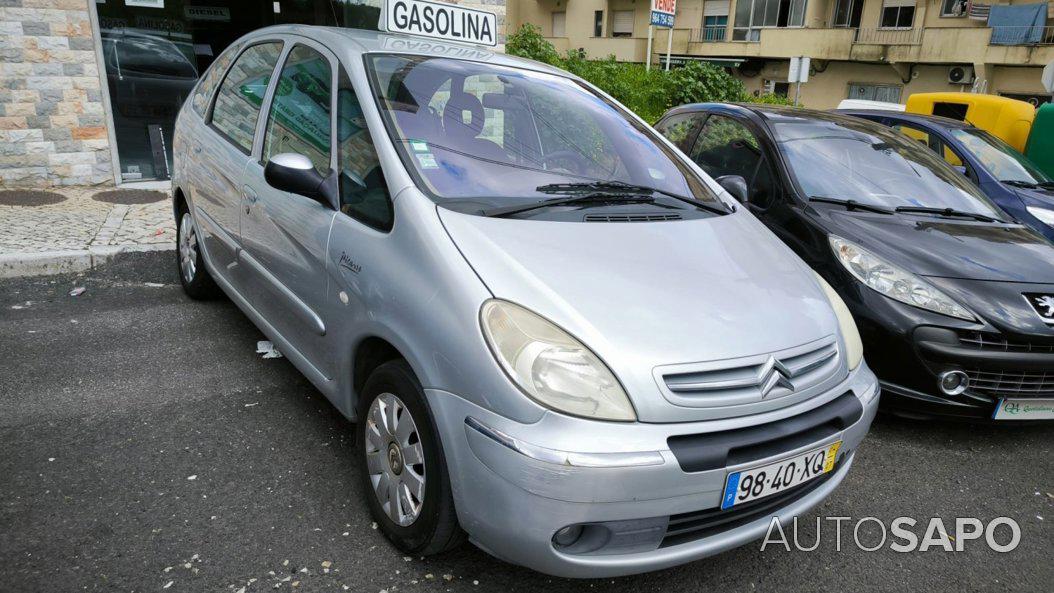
(978, 11)
(1020, 24)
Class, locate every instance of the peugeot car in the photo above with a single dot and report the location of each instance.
(953, 297)
(1005, 175)
(559, 338)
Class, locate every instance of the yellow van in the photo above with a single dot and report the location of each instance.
(1008, 119)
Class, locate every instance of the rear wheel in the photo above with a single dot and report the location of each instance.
(401, 463)
(196, 281)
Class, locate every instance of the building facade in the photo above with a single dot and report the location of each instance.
(90, 88)
(861, 49)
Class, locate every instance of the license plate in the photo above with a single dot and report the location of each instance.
(1010, 408)
(766, 480)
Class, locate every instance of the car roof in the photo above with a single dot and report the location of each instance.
(364, 41)
(776, 113)
(919, 118)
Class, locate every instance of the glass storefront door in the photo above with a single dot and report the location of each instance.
(154, 51)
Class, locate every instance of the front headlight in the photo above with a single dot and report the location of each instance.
(1044, 214)
(550, 366)
(894, 282)
(854, 348)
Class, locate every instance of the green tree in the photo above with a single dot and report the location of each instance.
(528, 42)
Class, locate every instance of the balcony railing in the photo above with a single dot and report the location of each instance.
(1022, 35)
(711, 33)
(888, 36)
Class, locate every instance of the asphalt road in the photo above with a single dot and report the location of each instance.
(144, 444)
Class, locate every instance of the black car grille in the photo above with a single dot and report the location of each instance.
(689, 527)
(996, 342)
(1012, 383)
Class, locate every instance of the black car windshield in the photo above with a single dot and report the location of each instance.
(999, 158)
(848, 159)
(493, 136)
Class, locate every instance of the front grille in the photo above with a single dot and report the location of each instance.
(631, 217)
(756, 380)
(689, 527)
(1012, 383)
(997, 342)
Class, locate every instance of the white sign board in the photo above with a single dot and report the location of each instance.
(662, 12)
(1048, 78)
(799, 70)
(439, 20)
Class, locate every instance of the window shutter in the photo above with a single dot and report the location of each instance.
(716, 8)
(623, 22)
(559, 24)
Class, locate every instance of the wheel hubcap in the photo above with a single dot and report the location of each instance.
(188, 248)
(395, 459)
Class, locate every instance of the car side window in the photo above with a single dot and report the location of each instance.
(363, 190)
(299, 118)
(202, 94)
(241, 93)
(680, 129)
(932, 141)
(727, 147)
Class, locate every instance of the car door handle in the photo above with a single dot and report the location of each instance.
(250, 198)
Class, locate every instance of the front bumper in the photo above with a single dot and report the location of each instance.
(623, 481)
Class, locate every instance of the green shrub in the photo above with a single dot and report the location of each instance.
(527, 42)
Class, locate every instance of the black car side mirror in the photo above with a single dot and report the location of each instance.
(296, 174)
(735, 185)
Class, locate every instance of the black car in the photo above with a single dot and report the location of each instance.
(954, 299)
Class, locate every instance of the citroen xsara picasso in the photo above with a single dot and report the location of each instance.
(558, 336)
(953, 297)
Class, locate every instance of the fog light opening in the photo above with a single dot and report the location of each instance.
(567, 536)
(953, 382)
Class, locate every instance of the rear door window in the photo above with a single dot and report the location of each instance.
(241, 94)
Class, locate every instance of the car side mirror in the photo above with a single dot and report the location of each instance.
(296, 174)
(735, 185)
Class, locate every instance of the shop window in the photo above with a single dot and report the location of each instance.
(240, 98)
(898, 14)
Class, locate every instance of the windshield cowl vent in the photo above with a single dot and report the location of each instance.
(631, 217)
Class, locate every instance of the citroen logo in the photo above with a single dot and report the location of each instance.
(773, 374)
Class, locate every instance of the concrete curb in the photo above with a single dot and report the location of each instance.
(41, 263)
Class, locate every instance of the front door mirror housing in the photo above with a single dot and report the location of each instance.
(296, 174)
(735, 185)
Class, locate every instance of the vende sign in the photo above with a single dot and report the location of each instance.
(662, 12)
(439, 20)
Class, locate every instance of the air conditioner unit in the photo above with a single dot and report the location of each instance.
(961, 75)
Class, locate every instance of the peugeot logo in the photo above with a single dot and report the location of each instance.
(773, 374)
(1043, 305)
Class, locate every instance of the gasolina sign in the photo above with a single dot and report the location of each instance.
(662, 12)
(439, 20)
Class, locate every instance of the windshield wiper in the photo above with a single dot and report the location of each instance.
(947, 212)
(621, 187)
(851, 204)
(1028, 184)
(591, 198)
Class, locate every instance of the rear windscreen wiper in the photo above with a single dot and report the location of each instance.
(626, 188)
(590, 198)
(851, 204)
(947, 212)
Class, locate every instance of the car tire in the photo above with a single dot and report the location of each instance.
(190, 263)
(404, 451)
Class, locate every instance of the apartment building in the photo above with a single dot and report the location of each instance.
(862, 49)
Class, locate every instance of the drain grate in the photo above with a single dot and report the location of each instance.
(130, 197)
(29, 197)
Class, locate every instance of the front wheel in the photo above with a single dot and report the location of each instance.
(402, 465)
(196, 281)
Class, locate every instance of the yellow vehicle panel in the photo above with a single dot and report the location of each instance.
(1003, 117)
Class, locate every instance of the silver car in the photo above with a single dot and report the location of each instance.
(560, 339)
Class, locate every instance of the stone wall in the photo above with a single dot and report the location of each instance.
(52, 125)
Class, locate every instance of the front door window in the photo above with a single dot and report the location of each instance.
(299, 121)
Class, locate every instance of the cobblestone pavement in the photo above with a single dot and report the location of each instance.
(80, 223)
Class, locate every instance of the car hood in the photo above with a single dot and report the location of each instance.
(647, 294)
(947, 248)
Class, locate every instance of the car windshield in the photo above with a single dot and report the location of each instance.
(999, 158)
(494, 136)
(868, 163)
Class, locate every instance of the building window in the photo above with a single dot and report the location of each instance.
(559, 24)
(953, 8)
(889, 93)
(847, 13)
(754, 15)
(622, 23)
(598, 23)
(898, 14)
(715, 20)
